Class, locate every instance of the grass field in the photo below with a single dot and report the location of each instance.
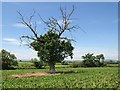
(101, 77)
(25, 65)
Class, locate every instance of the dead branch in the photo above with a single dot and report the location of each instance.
(54, 25)
(29, 25)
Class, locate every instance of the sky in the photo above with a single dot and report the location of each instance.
(98, 22)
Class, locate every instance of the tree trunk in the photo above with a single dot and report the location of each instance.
(52, 68)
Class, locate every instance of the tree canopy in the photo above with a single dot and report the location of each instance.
(53, 49)
(89, 60)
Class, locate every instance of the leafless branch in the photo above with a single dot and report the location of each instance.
(28, 37)
(66, 21)
(69, 15)
(28, 40)
(28, 24)
(54, 25)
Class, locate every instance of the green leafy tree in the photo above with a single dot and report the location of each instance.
(51, 47)
(8, 59)
(88, 60)
(100, 60)
(93, 61)
(39, 64)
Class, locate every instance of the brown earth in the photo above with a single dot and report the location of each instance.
(32, 75)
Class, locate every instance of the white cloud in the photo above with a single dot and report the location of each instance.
(19, 25)
(10, 39)
(26, 55)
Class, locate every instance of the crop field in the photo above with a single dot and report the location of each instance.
(59, 45)
(99, 77)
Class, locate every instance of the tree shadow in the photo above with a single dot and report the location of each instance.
(62, 72)
(70, 72)
(65, 72)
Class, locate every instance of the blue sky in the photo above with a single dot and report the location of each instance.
(98, 20)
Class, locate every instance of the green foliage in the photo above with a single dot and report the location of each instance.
(88, 60)
(99, 77)
(93, 61)
(14, 63)
(75, 64)
(112, 62)
(8, 59)
(39, 64)
(53, 49)
(25, 65)
(62, 66)
(112, 65)
(20, 60)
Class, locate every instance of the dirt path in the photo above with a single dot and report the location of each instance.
(32, 75)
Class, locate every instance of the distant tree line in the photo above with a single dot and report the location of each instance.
(89, 60)
(112, 62)
(8, 61)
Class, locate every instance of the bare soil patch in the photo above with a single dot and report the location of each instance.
(32, 75)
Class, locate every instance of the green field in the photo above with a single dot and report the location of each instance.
(100, 77)
(25, 65)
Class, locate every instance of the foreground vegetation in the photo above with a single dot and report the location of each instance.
(99, 77)
(92, 72)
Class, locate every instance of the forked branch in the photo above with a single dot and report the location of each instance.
(60, 28)
(28, 24)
